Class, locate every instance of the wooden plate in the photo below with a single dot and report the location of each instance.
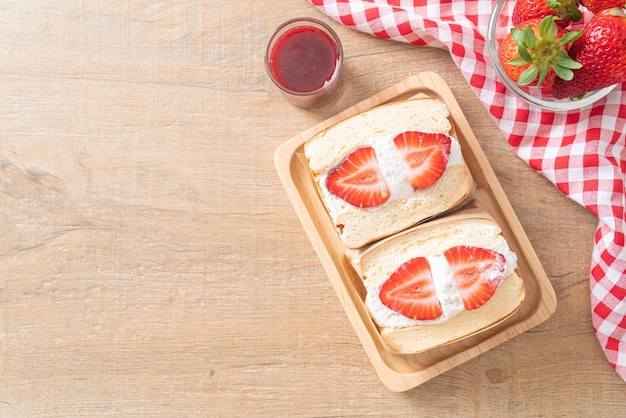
(400, 372)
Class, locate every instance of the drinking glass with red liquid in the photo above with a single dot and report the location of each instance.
(303, 58)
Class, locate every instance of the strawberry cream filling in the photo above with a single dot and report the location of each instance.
(446, 289)
(393, 172)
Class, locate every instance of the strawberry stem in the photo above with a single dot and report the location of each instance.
(566, 9)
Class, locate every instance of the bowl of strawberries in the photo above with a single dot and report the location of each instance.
(559, 55)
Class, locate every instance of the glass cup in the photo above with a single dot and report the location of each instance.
(304, 59)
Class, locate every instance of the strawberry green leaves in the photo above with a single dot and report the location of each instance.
(566, 9)
(543, 48)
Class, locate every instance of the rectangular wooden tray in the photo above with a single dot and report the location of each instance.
(400, 372)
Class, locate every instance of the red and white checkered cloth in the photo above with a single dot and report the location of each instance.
(581, 152)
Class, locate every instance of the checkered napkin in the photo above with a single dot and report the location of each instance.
(581, 152)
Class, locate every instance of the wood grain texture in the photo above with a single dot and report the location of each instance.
(152, 265)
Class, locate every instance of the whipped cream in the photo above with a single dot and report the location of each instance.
(392, 169)
(446, 290)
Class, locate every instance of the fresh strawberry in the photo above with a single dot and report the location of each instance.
(358, 180)
(602, 52)
(595, 6)
(566, 11)
(535, 53)
(478, 273)
(425, 156)
(410, 291)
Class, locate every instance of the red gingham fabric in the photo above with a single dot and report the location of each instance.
(581, 152)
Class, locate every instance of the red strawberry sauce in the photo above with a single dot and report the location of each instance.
(304, 59)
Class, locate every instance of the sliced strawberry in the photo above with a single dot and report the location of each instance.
(477, 271)
(358, 180)
(425, 156)
(410, 291)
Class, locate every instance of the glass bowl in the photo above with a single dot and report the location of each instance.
(499, 26)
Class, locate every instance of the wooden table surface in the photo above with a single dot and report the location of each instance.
(152, 265)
